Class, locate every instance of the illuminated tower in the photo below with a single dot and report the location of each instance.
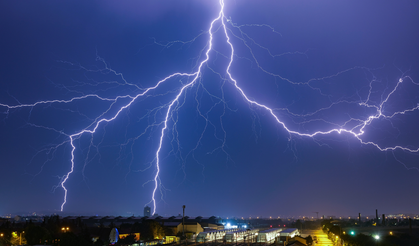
(147, 211)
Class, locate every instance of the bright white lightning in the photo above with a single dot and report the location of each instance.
(338, 130)
(356, 131)
(108, 120)
(171, 105)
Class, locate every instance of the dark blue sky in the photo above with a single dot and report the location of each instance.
(313, 62)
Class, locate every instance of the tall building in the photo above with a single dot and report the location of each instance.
(147, 211)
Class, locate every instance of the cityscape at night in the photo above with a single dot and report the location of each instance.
(286, 122)
(147, 229)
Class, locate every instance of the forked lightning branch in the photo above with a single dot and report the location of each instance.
(224, 27)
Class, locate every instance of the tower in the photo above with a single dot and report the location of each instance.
(147, 211)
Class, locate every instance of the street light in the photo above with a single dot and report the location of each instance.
(376, 238)
(183, 222)
(20, 242)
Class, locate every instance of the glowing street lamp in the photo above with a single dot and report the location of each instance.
(376, 237)
(20, 238)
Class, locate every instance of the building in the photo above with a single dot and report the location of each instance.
(267, 236)
(147, 211)
(125, 232)
(191, 228)
(288, 233)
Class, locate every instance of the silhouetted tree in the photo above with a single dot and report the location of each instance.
(69, 239)
(309, 240)
(99, 242)
(298, 224)
(151, 230)
(37, 235)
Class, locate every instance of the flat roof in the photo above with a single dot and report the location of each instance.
(289, 230)
(271, 230)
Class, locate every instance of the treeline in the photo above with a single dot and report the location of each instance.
(53, 231)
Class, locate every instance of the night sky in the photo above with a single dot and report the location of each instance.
(320, 65)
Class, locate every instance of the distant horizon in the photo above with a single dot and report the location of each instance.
(65, 214)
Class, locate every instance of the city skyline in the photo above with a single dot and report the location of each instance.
(364, 217)
(230, 109)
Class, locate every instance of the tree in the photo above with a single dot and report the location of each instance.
(99, 242)
(17, 238)
(69, 239)
(335, 230)
(152, 230)
(6, 238)
(84, 237)
(157, 230)
(299, 224)
(326, 225)
(309, 240)
(37, 235)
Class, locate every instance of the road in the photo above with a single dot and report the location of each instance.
(322, 239)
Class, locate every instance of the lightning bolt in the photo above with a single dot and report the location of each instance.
(357, 130)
